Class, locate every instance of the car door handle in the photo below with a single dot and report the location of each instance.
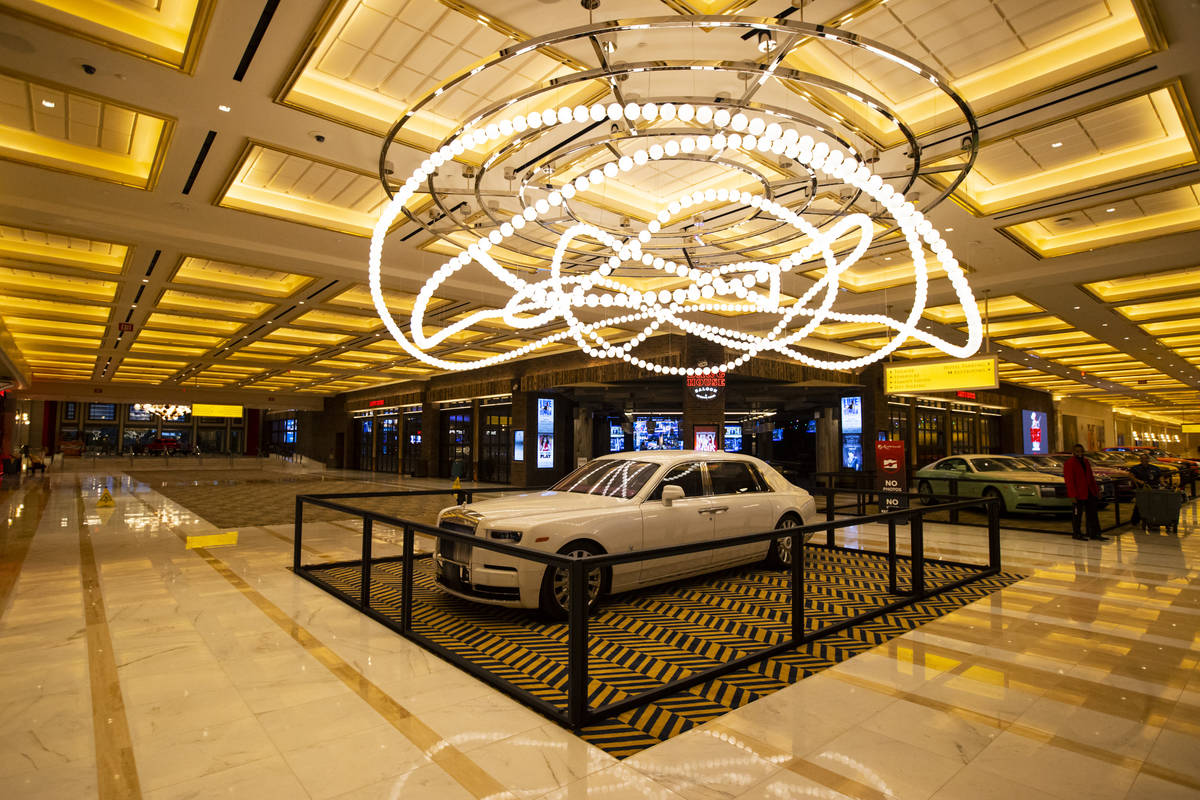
(716, 510)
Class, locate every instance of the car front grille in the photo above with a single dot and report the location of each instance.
(459, 552)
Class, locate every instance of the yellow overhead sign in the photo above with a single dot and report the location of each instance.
(215, 410)
(941, 376)
(1191, 427)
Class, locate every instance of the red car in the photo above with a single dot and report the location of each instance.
(167, 446)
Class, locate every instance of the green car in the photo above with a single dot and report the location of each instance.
(1019, 487)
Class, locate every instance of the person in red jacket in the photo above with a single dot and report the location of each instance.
(1083, 489)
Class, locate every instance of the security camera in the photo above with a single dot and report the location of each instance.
(320, 137)
(89, 69)
(966, 143)
(388, 168)
(720, 98)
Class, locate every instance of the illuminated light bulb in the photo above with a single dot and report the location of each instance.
(611, 169)
(632, 111)
(739, 122)
(549, 117)
(580, 114)
(565, 115)
(756, 126)
(686, 112)
(625, 163)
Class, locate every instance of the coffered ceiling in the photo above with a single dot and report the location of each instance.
(186, 186)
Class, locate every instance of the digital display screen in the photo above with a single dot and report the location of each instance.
(616, 438)
(656, 433)
(706, 438)
(545, 451)
(852, 451)
(545, 415)
(1034, 433)
(733, 438)
(810, 426)
(518, 445)
(777, 434)
(852, 414)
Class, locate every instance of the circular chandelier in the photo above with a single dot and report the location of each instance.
(168, 412)
(737, 211)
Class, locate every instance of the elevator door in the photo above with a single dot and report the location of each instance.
(387, 454)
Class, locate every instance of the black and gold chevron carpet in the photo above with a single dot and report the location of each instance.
(640, 640)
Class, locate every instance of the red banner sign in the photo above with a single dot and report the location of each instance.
(706, 380)
(374, 403)
(966, 395)
(891, 475)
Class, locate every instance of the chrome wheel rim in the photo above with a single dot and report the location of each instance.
(783, 545)
(561, 582)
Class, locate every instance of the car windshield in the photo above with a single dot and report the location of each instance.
(994, 464)
(608, 478)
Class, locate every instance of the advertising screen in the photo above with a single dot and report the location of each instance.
(852, 415)
(733, 438)
(616, 438)
(518, 445)
(656, 433)
(545, 451)
(852, 456)
(1034, 434)
(777, 434)
(706, 438)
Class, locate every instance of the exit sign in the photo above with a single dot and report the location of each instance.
(124, 326)
(966, 395)
(374, 403)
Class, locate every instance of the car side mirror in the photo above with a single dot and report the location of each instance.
(671, 493)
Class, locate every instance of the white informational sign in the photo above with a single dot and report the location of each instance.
(518, 445)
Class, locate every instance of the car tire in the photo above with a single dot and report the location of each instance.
(992, 491)
(779, 556)
(552, 598)
(925, 489)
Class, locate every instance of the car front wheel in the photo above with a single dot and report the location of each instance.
(992, 491)
(556, 584)
(779, 556)
(925, 489)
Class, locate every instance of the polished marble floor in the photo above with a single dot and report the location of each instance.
(132, 666)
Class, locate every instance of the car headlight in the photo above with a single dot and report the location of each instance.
(1023, 489)
(508, 536)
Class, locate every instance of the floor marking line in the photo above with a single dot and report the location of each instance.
(456, 764)
(15, 543)
(1027, 731)
(116, 767)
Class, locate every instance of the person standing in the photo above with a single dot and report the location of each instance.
(1083, 489)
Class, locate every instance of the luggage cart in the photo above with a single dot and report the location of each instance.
(1159, 508)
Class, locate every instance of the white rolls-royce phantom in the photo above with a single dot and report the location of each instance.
(621, 503)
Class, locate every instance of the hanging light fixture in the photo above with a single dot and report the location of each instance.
(591, 275)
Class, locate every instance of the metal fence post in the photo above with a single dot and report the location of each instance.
(993, 510)
(797, 589)
(298, 532)
(917, 529)
(892, 555)
(406, 581)
(830, 531)
(577, 635)
(368, 531)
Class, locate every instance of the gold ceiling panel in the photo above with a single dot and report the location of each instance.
(1007, 306)
(257, 356)
(297, 188)
(1162, 308)
(338, 321)
(55, 309)
(58, 286)
(63, 129)
(176, 300)
(176, 322)
(1000, 53)
(1033, 325)
(168, 32)
(1139, 287)
(1124, 140)
(25, 245)
(305, 336)
(1174, 327)
(360, 297)
(1119, 222)
(47, 326)
(166, 349)
(206, 272)
(1045, 340)
(264, 346)
(174, 337)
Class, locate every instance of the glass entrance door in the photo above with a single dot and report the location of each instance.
(364, 443)
(387, 456)
(455, 455)
(412, 443)
(931, 436)
(494, 439)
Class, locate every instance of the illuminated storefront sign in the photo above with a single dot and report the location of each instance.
(705, 387)
(942, 376)
(1033, 433)
(215, 410)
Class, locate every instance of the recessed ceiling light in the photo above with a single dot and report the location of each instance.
(1076, 308)
(948, 230)
(1056, 144)
(48, 103)
(1109, 210)
(224, 108)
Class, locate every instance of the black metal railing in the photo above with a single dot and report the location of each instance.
(577, 711)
